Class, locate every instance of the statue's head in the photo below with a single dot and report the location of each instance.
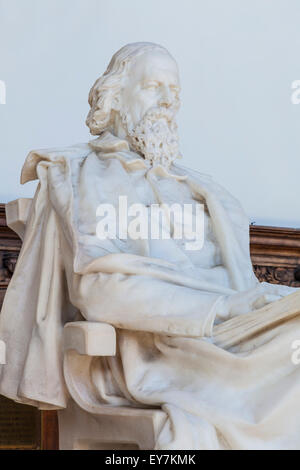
(137, 98)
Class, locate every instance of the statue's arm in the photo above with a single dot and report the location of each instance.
(143, 303)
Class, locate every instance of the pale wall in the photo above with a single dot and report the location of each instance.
(237, 60)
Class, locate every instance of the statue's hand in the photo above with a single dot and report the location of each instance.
(253, 299)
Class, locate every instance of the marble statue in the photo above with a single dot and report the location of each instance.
(164, 300)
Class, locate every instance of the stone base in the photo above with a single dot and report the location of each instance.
(131, 429)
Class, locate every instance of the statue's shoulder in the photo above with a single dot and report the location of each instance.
(54, 155)
(192, 172)
(209, 182)
(230, 203)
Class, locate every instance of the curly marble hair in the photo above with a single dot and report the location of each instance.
(108, 86)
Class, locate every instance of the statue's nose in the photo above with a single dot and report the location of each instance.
(166, 97)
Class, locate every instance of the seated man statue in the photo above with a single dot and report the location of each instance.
(87, 255)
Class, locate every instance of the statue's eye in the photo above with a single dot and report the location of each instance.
(150, 86)
(175, 89)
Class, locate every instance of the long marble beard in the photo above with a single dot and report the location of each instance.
(155, 137)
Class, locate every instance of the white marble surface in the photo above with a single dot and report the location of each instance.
(2, 353)
(91, 339)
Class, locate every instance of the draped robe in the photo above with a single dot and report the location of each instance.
(162, 300)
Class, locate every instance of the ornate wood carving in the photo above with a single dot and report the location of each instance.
(10, 246)
(275, 254)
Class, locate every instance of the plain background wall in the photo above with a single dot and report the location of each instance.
(238, 59)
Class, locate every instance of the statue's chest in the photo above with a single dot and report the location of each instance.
(169, 192)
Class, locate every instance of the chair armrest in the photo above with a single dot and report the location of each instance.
(90, 338)
(2, 352)
(17, 214)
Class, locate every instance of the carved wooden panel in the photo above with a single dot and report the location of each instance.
(10, 245)
(275, 254)
(20, 426)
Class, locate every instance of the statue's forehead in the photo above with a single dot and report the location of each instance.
(156, 65)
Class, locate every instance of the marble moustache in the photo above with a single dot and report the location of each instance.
(163, 299)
